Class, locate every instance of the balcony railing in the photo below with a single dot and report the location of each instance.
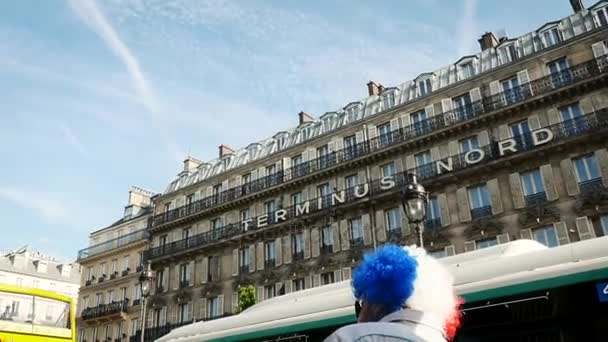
(154, 333)
(298, 255)
(586, 124)
(394, 234)
(481, 212)
(536, 199)
(327, 249)
(103, 310)
(269, 263)
(244, 269)
(510, 97)
(112, 244)
(356, 242)
(432, 223)
(591, 185)
(184, 284)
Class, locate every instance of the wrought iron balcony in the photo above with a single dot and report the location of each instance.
(536, 199)
(184, 284)
(510, 97)
(298, 255)
(481, 212)
(356, 242)
(104, 310)
(154, 333)
(591, 185)
(394, 234)
(587, 124)
(327, 249)
(432, 223)
(269, 263)
(244, 269)
(112, 244)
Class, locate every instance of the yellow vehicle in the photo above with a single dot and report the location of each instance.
(28, 315)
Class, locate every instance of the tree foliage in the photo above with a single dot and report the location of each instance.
(246, 297)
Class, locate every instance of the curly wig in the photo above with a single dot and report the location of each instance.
(385, 277)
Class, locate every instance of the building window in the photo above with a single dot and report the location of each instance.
(468, 144)
(601, 16)
(217, 190)
(184, 313)
(135, 326)
(297, 284)
(532, 182)
(433, 217)
(126, 263)
(507, 53)
(246, 178)
(270, 291)
(383, 130)
(462, 106)
(479, 199)
(550, 37)
(189, 199)
(269, 253)
(420, 123)
(167, 207)
(388, 170)
(213, 268)
(137, 292)
(327, 278)
(392, 218)
(322, 151)
(547, 236)
(296, 160)
(424, 164)
(388, 100)
(425, 87)
(511, 90)
(604, 224)
(184, 275)
(269, 207)
(324, 192)
(350, 145)
(103, 269)
(327, 239)
(123, 294)
(110, 296)
(271, 170)
(480, 244)
(244, 259)
(213, 307)
(586, 168)
(558, 66)
(571, 112)
(244, 216)
(215, 223)
(297, 246)
(355, 229)
(296, 198)
(351, 181)
(521, 133)
(467, 70)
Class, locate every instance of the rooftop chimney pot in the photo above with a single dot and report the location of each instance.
(374, 88)
(577, 5)
(488, 40)
(225, 150)
(305, 118)
(190, 164)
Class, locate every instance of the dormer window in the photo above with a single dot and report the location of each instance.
(466, 67)
(128, 212)
(352, 110)
(600, 16)
(329, 121)
(253, 150)
(388, 98)
(281, 139)
(507, 53)
(550, 35)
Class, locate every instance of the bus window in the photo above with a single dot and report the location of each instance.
(16, 312)
(51, 313)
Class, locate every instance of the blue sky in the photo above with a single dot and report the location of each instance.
(97, 96)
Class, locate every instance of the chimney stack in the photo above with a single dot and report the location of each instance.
(374, 88)
(305, 118)
(190, 164)
(488, 40)
(577, 5)
(225, 150)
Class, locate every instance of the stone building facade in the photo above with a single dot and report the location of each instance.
(511, 143)
(110, 295)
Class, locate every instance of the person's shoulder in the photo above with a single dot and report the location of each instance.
(373, 331)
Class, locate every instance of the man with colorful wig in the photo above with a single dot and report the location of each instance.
(402, 294)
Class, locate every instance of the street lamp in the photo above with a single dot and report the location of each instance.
(146, 279)
(414, 199)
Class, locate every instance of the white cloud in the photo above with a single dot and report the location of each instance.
(91, 15)
(467, 28)
(73, 140)
(49, 209)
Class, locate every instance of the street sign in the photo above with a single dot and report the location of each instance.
(602, 291)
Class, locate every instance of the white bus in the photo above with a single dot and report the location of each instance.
(520, 291)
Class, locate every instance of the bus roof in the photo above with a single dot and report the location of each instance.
(34, 292)
(517, 267)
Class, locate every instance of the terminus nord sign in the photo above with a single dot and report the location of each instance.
(474, 156)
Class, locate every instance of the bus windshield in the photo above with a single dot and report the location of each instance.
(32, 314)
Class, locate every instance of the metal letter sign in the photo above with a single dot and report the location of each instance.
(602, 292)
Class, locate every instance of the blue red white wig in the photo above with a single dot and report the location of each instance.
(396, 277)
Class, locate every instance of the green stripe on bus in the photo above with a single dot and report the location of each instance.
(471, 297)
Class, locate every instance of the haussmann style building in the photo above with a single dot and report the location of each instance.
(511, 142)
(109, 305)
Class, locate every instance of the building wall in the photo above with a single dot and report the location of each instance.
(567, 214)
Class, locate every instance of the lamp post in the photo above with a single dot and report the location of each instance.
(146, 279)
(414, 199)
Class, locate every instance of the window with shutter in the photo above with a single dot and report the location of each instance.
(546, 235)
